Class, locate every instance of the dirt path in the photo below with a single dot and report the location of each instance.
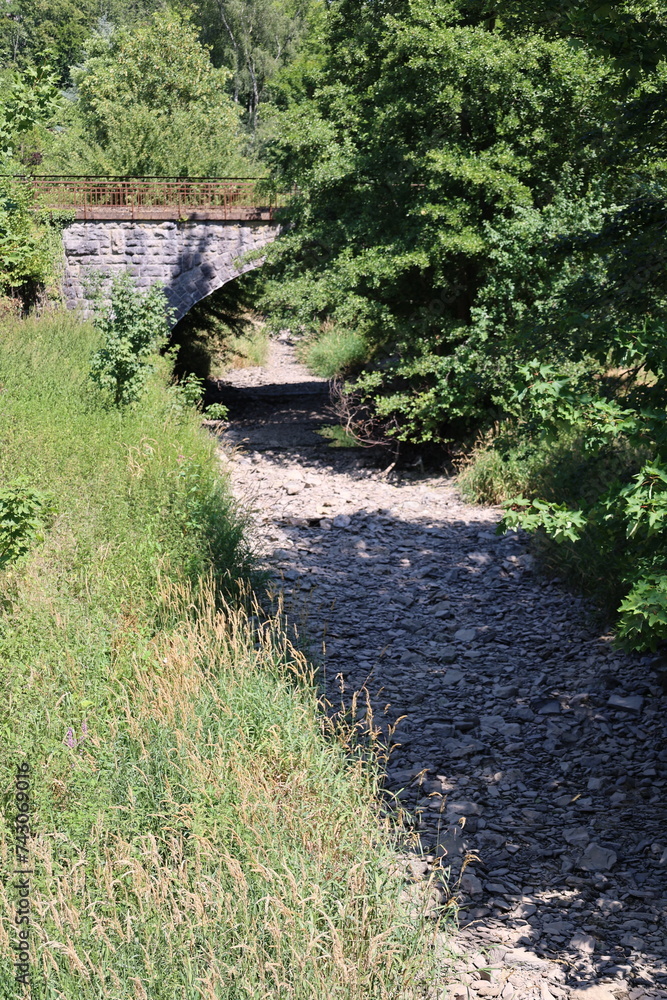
(520, 716)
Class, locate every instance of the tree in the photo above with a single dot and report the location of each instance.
(148, 101)
(28, 99)
(256, 38)
(29, 246)
(422, 131)
(30, 29)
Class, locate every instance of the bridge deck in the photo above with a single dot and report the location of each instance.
(157, 212)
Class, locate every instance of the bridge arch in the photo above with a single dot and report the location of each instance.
(190, 258)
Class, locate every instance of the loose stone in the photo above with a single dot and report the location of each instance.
(523, 745)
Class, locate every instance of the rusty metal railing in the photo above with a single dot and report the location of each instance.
(169, 197)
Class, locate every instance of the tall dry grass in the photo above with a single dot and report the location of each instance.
(214, 835)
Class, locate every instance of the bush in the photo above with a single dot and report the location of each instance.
(30, 245)
(134, 327)
(22, 516)
(598, 509)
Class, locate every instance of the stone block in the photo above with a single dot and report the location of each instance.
(152, 271)
(192, 260)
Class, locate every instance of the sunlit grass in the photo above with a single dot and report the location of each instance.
(201, 828)
(334, 352)
(247, 350)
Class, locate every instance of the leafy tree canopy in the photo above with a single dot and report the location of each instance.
(148, 101)
(256, 39)
(29, 29)
(421, 131)
(27, 100)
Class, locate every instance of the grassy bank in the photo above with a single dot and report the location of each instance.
(197, 833)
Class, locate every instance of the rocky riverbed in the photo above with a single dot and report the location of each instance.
(526, 739)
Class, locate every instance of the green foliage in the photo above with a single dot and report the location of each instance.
(188, 395)
(421, 132)
(643, 613)
(27, 99)
(482, 203)
(31, 28)
(23, 512)
(30, 249)
(124, 505)
(337, 436)
(190, 390)
(222, 331)
(634, 511)
(256, 39)
(216, 411)
(30, 244)
(147, 100)
(134, 326)
(645, 502)
(333, 353)
(557, 521)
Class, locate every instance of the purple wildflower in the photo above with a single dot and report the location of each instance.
(69, 739)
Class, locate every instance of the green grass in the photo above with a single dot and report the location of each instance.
(245, 350)
(200, 830)
(338, 437)
(333, 353)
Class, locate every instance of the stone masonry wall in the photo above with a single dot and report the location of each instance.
(191, 259)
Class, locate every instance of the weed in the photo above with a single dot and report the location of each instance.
(338, 437)
(216, 411)
(23, 510)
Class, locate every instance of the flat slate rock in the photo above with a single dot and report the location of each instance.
(529, 752)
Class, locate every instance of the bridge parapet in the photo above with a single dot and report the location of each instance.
(159, 198)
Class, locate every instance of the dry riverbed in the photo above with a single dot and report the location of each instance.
(527, 738)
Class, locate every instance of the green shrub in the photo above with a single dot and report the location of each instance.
(598, 507)
(643, 613)
(30, 244)
(216, 411)
(22, 516)
(134, 326)
(149, 101)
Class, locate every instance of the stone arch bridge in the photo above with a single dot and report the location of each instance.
(191, 234)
